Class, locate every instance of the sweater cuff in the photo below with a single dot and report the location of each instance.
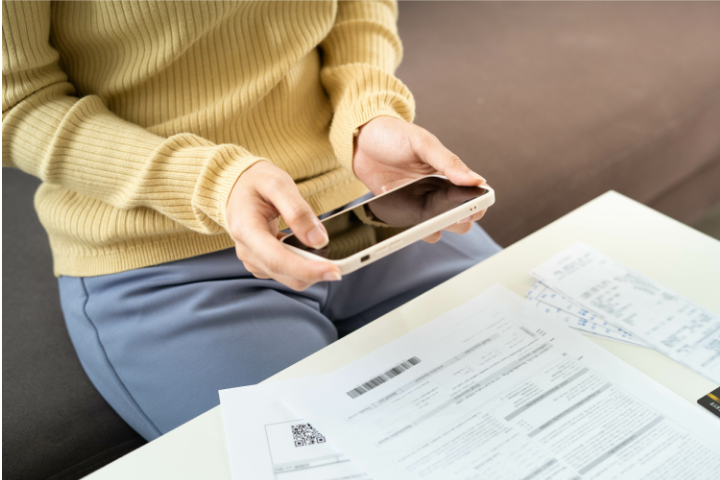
(217, 179)
(363, 105)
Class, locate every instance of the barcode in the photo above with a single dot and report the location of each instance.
(380, 379)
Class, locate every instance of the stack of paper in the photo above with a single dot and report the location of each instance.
(493, 389)
(266, 440)
(560, 308)
(635, 303)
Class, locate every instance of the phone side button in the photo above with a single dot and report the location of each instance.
(396, 246)
(381, 252)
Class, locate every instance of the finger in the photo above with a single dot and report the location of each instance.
(434, 153)
(293, 283)
(284, 195)
(460, 228)
(274, 259)
(434, 238)
(474, 217)
(240, 252)
(477, 216)
(242, 255)
(255, 271)
(465, 225)
(274, 229)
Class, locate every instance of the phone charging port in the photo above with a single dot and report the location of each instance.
(365, 258)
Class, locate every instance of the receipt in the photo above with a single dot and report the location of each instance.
(584, 326)
(667, 321)
(267, 441)
(494, 390)
(555, 305)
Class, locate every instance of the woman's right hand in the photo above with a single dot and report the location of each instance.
(261, 194)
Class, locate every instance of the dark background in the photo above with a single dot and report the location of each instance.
(556, 103)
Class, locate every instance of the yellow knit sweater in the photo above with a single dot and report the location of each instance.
(139, 116)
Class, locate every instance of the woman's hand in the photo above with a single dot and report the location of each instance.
(261, 194)
(390, 152)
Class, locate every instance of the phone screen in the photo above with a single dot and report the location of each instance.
(383, 217)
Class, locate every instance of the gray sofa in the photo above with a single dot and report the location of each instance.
(55, 424)
(556, 103)
(553, 103)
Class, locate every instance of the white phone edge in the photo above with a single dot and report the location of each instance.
(409, 236)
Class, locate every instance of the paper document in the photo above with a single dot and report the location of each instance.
(492, 390)
(267, 441)
(667, 321)
(555, 305)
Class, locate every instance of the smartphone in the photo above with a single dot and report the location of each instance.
(388, 222)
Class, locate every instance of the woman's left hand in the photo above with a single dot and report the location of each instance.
(390, 152)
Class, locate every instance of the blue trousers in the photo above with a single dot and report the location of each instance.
(159, 342)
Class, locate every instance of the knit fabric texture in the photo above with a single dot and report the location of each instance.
(140, 116)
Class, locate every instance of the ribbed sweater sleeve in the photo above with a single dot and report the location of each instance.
(79, 144)
(360, 55)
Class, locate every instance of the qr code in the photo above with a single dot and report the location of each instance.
(305, 434)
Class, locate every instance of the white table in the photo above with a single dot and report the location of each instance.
(668, 251)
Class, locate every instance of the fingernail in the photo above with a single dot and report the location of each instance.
(475, 176)
(465, 220)
(331, 276)
(317, 237)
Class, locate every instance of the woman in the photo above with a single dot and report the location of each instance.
(174, 139)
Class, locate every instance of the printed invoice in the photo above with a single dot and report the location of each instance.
(667, 321)
(267, 441)
(490, 390)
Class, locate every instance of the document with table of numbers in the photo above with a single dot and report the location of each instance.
(649, 311)
(493, 389)
(266, 441)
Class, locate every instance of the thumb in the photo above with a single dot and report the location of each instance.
(434, 153)
(285, 197)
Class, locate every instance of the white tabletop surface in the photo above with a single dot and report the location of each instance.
(664, 249)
